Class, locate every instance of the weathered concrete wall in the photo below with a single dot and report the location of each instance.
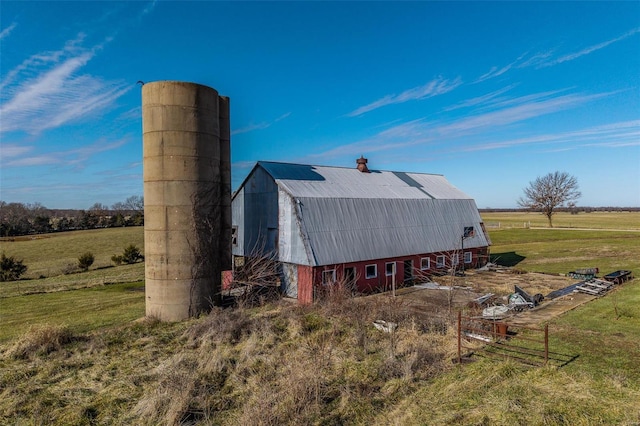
(187, 186)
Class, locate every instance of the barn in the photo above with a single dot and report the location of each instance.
(368, 228)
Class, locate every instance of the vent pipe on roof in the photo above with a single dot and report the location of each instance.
(362, 164)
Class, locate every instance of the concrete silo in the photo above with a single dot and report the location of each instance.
(187, 187)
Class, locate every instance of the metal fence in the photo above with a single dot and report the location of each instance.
(528, 345)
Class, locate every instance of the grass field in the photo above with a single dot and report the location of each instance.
(595, 220)
(49, 254)
(81, 310)
(81, 356)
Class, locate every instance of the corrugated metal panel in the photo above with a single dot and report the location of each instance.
(351, 230)
(237, 221)
(339, 182)
(255, 212)
(291, 246)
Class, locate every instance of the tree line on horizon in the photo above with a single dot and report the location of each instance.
(18, 219)
(574, 209)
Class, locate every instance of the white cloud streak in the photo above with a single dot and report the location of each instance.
(480, 99)
(259, 126)
(13, 150)
(5, 33)
(433, 88)
(590, 49)
(47, 90)
(74, 157)
(479, 124)
(621, 134)
(544, 59)
(495, 72)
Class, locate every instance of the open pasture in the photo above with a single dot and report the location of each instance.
(237, 366)
(48, 255)
(606, 240)
(594, 220)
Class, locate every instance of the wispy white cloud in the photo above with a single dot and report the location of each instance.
(47, 90)
(433, 88)
(496, 72)
(74, 157)
(480, 99)
(468, 128)
(590, 49)
(5, 33)
(259, 126)
(624, 133)
(545, 58)
(13, 150)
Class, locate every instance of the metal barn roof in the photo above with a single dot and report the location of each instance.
(340, 182)
(344, 215)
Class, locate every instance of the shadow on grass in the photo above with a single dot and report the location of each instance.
(510, 258)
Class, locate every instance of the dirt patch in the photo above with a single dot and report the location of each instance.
(441, 302)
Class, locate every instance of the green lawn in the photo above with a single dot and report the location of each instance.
(561, 251)
(80, 310)
(49, 254)
(595, 220)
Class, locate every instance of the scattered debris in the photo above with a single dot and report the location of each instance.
(534, 300)
(584, 273)
(594, 287)
(495, 312)
(619, 276)
(387, 327)
(517, 302)
(482, 300)
(477, 336)
(563, 291)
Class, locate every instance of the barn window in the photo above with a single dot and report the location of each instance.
(468, 231)
(390, 268)
(440, 262)
(425, 263)
(467, 257)
(455, 259)
(329, 277)
(234, 236)
(371, 271)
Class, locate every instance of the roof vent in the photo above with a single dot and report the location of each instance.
(362, 164)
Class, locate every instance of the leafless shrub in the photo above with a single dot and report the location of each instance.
(70, 268)
(40, 340)
(257, 279)
(220, 326)
(337, 298)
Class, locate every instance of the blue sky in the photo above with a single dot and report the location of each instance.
(491, 95)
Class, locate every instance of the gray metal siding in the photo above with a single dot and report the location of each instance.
(289, 280)
(292, 248)
(352, 230)
(237, 220)
(255, 212)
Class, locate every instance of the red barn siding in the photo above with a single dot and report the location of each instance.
(305, 284)
(382, 282)
(227, 279)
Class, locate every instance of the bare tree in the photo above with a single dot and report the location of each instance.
(547, 193)
(134, 203)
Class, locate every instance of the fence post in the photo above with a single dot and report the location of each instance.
(546, 344)
(459, 337)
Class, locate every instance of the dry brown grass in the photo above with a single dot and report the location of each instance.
(294, 365)
(39, 340)
(281, 363)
